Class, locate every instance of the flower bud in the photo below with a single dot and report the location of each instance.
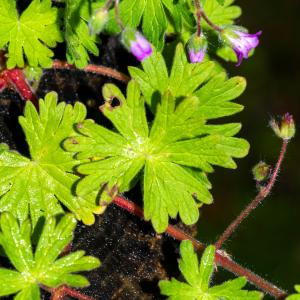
(240, 41)
(136, 44)
(286, 129)
(197, 47)
(98, 20)
(261, 171)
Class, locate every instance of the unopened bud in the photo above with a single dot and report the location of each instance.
(136, 44)
(197, 47)
(286, 129)
(98, 20)
(261, 171)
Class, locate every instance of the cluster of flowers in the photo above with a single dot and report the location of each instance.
(235, 37)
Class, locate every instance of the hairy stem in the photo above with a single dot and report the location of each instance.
(16, 78)
(105, 71)
(201, 13)
(221, 258)
(61, 292)
(264, 192)
(198, 14)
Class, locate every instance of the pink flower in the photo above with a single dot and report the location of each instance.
(136, 44)
(240, 41)
(196, 57)
(197, 47)
(140, 47)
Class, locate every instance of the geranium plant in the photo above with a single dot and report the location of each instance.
(159, 135)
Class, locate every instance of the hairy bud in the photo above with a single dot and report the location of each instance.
(98, 20)
(286, 129)
(136, 44)
(197, 47)
(261, 171)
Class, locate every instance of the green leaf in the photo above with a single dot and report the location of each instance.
(215, 96)
(178, 143)
(221, 2)
(295, 296)
(77, 35)
(198, 279)
(221, 14)
(37, 184)
(42, 267)
(214, 91)
(150, 13)
(30, 34)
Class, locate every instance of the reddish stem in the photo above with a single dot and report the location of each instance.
(17, 79)
(221, 257)
(198, 15)
(105, 71)
(208, 21)
(264, 192)
(62, 291)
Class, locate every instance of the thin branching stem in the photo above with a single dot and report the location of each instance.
(201, 13)
(221, 257)
(117, 15)
(198, 15)
(263, 193)
(105, 71)
(108, 4)
(63, 291)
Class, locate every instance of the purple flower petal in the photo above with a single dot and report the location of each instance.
(244, 43)
(196, 57)
(140, 47)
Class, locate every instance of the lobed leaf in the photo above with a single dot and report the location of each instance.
(214, 91)
(221, 13)
(42, 267)
(35, 186)
(198, 279)
(173, 153)
(77, 34)
(31, 34)
(158, 17)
